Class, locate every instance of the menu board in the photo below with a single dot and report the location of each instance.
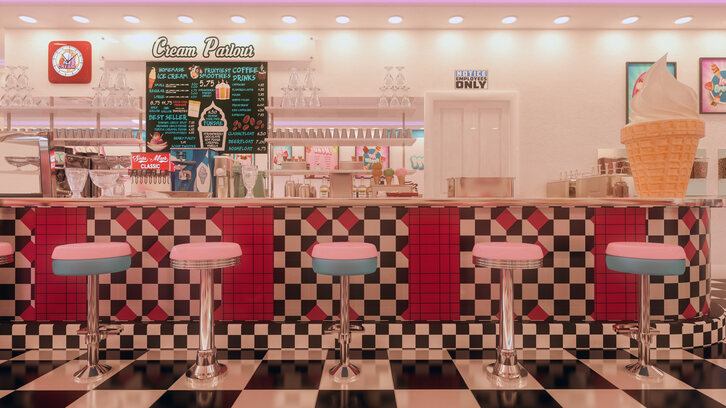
(215, 105)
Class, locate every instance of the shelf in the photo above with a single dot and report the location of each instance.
(97, 142)
(19, 172)
(324, 172)
(340, 112)
(77, 109)
(341, 142)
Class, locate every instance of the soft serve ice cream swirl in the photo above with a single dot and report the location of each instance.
(663, 97)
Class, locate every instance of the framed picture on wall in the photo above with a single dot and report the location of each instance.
(712, 84)
(634, 80)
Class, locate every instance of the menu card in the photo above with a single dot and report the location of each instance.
(215, 105)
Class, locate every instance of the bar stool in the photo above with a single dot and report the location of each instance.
(206, 257)
(345, 259)
(91, 259)
(644, 259)
(507, 256)
(7, 254)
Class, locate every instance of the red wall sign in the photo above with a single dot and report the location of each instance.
(151, 161)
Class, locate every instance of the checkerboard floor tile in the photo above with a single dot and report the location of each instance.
(419, 378)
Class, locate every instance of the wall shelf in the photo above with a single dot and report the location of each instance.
(340, 142)
(97, 142)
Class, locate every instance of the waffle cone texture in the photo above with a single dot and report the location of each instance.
(661, 155)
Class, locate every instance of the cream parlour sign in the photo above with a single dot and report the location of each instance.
(211, 48)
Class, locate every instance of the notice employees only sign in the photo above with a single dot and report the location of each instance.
(471, 79)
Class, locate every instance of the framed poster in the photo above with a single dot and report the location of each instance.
(373, 154)
(322, 157)
(208, 104)
(634, 80)
(712, 85)
(70, 62)
(279, 155)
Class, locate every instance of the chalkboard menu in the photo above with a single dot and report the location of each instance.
(216, 105)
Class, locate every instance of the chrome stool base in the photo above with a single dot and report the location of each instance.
(644, 371)
(206, 366)
(91, 373)
(345, 374)
(507, 367)
(335, 328)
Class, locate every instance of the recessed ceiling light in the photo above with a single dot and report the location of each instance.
(684, 20)
(238, 19)
(342, 19)
(288, 19)
(28, 19)
(456, 19)
(132, 19)
(395, 19)
(509, 20)
(185, 19)
(81, 19)
(562, 20)
(630, 20)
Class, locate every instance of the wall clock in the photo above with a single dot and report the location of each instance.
(69, 62)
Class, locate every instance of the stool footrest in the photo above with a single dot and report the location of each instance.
(632, 330)
(335, 328)
(104, 330)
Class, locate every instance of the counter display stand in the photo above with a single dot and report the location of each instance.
(346, 110)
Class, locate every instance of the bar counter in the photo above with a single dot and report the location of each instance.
(425, 262)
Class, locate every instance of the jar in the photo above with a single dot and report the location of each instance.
(700, 168)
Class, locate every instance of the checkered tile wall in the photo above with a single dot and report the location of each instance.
(298, 291)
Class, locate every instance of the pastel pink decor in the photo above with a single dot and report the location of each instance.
(645, 250)
(205, 251)
(345, 250)
(507, 251)
(91, 250)
(6, 249)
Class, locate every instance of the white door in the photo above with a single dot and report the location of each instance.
(467, 137)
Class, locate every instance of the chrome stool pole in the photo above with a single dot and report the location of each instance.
(341, 370)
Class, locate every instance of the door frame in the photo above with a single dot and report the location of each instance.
(434, 185)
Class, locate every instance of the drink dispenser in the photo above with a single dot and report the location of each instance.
(193, 170)
(150, 171)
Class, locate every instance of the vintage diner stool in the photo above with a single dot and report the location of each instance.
(644, 259)
(91, 259)
(507, 256)
(7, 254)
(206, 256)
(345, 259)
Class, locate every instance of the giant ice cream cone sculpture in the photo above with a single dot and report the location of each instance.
(663, 137)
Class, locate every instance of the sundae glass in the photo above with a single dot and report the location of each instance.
(76, 177)
(105, 180)
(249, 178)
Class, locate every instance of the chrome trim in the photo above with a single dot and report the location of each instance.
(507, 264)
(344, 371)
(205, 264)
(206, 366)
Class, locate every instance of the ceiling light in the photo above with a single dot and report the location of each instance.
(630, 20)
(81, 19)
(456, 19)
(238, 19)
(185, 19)
(132, 19)
(395, 19)
(342, 19)
(288, 19)
(509, 20)
(684, 20)
(562, 20)
(27, 19)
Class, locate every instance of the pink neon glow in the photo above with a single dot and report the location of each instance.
(382, 2)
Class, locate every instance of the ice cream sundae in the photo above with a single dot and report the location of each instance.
(157, 142)
(663, 137)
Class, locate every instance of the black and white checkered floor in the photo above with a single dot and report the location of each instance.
(402, 378)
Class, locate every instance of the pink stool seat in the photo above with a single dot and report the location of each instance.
(645, 250)
(205, 251)
(91, 250)
(6, 249)
(507, 251)
(345, 250)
